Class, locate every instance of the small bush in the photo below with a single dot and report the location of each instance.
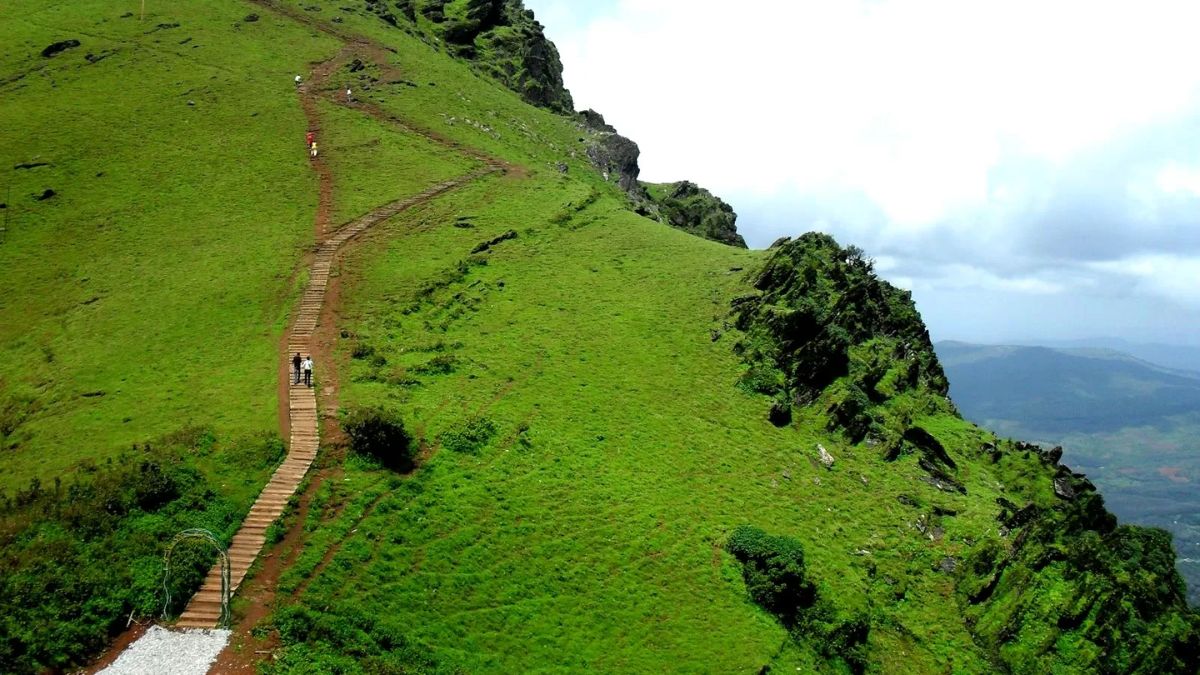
(773, 568)
(438, 365)
(775, 574)
(380, 434)
(470, 437)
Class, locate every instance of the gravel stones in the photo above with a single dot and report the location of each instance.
(164, 652)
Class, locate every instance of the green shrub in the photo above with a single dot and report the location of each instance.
(442, 364)
(773, 568)
(379, 433)
(470, 437)
(775, 575)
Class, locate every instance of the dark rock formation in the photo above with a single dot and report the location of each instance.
(691, 208)
(595, 121)
(617, 157)
(500, 36)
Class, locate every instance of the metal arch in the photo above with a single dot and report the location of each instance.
(203, 535)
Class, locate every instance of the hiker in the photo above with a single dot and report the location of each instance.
(312, 150)
(308, 365)
(296, 363)
(349, 96)
(309, 139)
(297, 80)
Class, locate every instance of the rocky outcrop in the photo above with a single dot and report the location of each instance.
(691, 208)
(617, 158)
(502, 37)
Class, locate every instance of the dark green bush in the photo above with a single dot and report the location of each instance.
(379, 433)
(442, 364)
(773, 568)
(470, 437)
(775, 575)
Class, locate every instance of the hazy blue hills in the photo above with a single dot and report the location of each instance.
(1053, 391)
(1171, 356)
(1131, 425)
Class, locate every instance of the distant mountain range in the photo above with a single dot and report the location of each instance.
(1180, 357)
(1050, 392)
(1132, 425)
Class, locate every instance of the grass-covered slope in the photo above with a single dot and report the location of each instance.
(148, 291)
(637, 450)
(588, 451)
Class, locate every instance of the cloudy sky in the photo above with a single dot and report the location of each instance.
(1030, 169)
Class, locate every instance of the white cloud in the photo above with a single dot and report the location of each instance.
(1170, 276)
(912, 102)
(1019, 140)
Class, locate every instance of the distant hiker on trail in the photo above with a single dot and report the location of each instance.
(312, 150)
(309, 139)
(296, 363)
(349, 96)
(297, 80)
(308, 364)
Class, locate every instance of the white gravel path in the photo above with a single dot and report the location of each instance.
(164, 652)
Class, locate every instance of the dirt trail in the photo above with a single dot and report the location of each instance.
(311, 331)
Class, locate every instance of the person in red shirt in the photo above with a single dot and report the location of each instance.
(309, 138)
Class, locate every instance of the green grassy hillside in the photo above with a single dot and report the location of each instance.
(620, 426)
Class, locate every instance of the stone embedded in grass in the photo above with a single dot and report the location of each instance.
(826, 458)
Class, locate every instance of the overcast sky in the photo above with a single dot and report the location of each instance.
(1029, 169)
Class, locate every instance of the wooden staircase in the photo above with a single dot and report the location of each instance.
(204, 610)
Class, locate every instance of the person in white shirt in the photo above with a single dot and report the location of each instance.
(308, 368)
(297, 80)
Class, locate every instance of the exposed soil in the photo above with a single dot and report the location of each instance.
(128, 637)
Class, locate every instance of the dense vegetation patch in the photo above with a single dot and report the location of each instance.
(344, 639)
(691, 208)
(774, 571)
(379, 433)
(817, 303)
(81, 557)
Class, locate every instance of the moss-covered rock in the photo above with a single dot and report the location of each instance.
(502, 37)
(691, 208)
